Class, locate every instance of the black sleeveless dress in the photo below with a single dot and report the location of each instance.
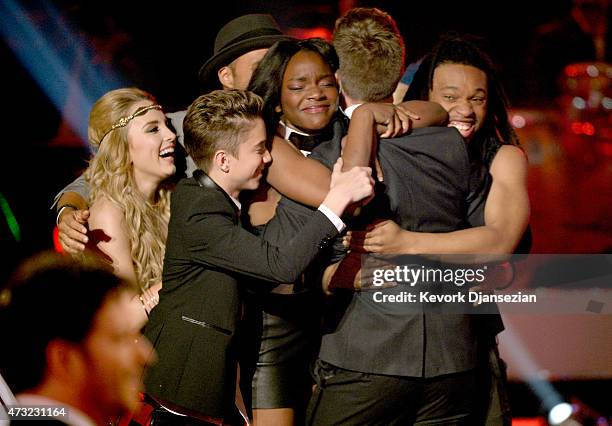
(291, 323)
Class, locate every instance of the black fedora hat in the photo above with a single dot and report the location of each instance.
(240, 36)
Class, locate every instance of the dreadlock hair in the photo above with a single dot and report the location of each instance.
(453, 48)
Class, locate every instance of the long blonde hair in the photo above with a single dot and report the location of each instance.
(110, 175)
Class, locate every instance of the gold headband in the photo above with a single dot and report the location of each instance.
(123, 121)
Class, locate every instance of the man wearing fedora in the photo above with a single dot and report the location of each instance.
(239, 46)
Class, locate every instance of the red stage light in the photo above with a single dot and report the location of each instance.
(576, 127)
(320, 32)
(572, 70)
(588, 129)
(528, 421)
(56, 242)
(304, 33)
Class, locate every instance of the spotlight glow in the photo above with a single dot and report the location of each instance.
(592, 71)
(578, 102)
(559, 413)
(518, 121)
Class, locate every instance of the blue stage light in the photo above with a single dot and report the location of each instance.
(59, 59)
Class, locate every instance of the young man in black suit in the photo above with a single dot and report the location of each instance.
(76, 344)
(195, 328)
(386, 363)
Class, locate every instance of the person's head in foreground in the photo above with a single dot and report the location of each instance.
(75, 336)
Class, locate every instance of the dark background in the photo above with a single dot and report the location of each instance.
(159, 47)
(163, 45)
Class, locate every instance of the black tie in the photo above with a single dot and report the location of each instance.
(304, 142)
(309, 142)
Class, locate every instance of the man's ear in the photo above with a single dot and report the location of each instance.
(226, 77)
(221, 161)
(339, 81)
(64, 359)
(278, 109)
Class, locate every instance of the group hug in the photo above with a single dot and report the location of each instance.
(240, 225)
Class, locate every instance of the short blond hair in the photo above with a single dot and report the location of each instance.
(371, 52)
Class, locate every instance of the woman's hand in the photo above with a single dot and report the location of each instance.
(391, 120)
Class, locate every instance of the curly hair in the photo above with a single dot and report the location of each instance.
(110, 175)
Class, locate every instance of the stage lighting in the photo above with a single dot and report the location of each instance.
(560, 413)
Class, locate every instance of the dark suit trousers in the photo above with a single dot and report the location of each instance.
(344, 397)
(493, 407)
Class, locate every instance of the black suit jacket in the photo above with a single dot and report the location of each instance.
(195, 324)
(426, 188)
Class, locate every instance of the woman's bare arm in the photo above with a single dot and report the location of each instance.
(295, 176)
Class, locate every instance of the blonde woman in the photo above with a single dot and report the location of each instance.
(130, 187)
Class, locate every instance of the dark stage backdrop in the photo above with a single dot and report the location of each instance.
(159, 47)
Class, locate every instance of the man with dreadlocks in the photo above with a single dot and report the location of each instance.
(460, 76)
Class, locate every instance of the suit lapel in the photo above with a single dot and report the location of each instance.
(206, 182)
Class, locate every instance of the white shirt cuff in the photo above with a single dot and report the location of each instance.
(333, 217)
